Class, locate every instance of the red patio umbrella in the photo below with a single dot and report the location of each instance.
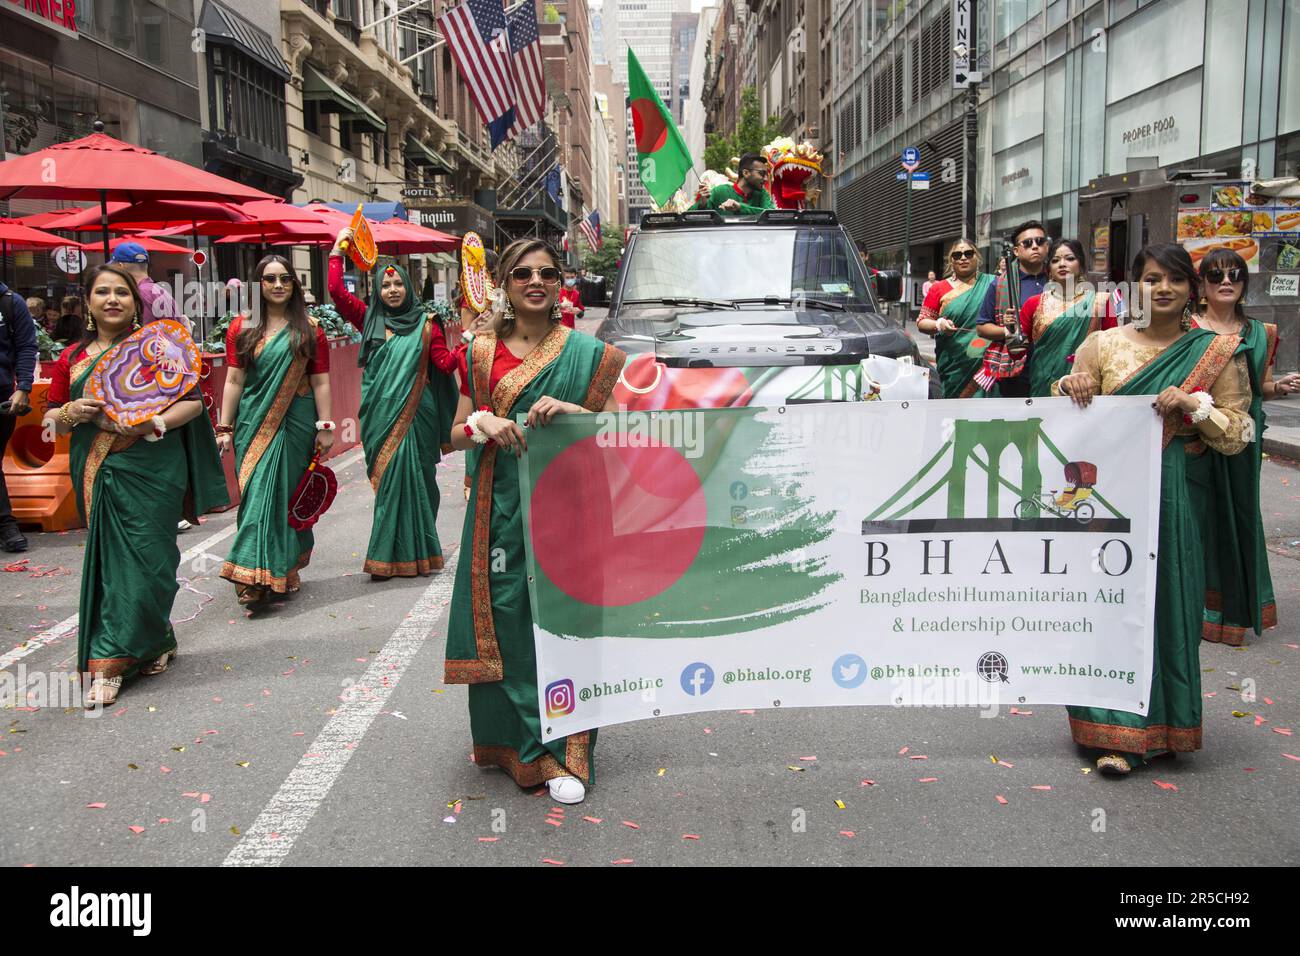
(55, 218)
(16, 235)
(149, 244)
(99, 167)
(410, 238)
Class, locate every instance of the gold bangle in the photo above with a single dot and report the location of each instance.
(67, 419)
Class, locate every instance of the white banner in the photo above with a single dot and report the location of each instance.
(986, 552)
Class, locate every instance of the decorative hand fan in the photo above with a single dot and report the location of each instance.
(313, 496)
(473, 271)
(145, 374)
(362, 249)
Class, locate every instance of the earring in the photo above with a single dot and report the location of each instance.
(90, 322)
(1186, 322)
(510, 311)
(556, 315)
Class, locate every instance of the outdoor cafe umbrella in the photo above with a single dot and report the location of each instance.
(99, 167)
(148, 243)
(15, 235)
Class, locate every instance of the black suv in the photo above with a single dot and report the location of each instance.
(786, 288)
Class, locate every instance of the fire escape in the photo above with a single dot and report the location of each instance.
(525, 206)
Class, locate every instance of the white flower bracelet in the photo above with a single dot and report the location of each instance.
(476, 433)
(1206, 406)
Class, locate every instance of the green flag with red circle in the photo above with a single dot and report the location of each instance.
(662, 157)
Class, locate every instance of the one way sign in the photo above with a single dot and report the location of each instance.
(964, 54)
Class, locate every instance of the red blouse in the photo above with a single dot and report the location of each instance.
(318, 364)
(354, 310)
(1030, 306)
(503, 362)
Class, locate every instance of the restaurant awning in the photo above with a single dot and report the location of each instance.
(221, 25)
(319, 88)
(419, 154)
(368, 118)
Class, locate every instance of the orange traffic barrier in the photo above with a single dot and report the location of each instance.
(37, 472)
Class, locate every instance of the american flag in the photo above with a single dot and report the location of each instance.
(526, 57)
(591, 230)
(478, 38)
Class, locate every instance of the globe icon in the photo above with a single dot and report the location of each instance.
(992, 667)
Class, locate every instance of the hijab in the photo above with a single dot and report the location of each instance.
(405, 318)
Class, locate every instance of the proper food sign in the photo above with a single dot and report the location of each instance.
(943, 553)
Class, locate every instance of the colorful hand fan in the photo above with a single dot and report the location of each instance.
(146, 373)
(313, 496)
(473, 271)
(362, 249)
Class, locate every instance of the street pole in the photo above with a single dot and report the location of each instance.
(970, 145)
(907, 248)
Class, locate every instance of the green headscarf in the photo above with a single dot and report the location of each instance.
(402, 320)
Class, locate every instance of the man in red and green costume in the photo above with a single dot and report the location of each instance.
(748, 195)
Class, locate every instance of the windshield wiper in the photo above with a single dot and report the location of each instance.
(780, 300)
(699, 303)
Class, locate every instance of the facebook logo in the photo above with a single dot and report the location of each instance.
(697, 679)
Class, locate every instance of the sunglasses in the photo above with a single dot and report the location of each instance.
(958, 254)
(549, 275)
(1215, 276)
(1033, 241)
(278, 280)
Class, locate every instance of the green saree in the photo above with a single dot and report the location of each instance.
(275, 439)
(960, 356)
(490, 632)
(1173, 718)
(1238, 585)
(1060, 340)
(131, 493)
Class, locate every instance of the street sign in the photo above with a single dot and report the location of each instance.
(911, 157)
(965, 58)
(916, 177)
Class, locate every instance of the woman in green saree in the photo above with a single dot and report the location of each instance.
(1238, 585)
(950, 313)
(408, 397)
(1203, 395)
(1058, 320)
(275, 412)
(535, 365)
(133, 485)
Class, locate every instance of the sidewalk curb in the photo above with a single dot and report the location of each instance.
(1282, 448)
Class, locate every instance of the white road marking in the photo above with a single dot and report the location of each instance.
(268, 841)
(69, 625)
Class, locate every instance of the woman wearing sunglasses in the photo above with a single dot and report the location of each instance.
(1061, 317)
(275, 413)
(1238, 585)
(950, 313)
(1199, 382)
(408, 397)
(529, 364)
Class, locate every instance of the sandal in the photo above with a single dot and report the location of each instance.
(1113, 764)
(249, 595)
(158, 666)
(103, 692)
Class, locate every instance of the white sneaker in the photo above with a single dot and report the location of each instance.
(566, 789)
(183, 525)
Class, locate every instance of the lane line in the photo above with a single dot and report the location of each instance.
(273, 835)
(69, 625)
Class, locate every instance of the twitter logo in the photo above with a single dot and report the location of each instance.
(849, 671)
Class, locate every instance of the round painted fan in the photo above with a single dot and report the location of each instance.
(146, 373)
(473, 271)
(313, 496)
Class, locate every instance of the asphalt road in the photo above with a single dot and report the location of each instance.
(321, 734)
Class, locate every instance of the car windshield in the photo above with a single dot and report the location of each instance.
(730, 263)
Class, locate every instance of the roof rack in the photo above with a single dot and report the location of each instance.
(711, 217)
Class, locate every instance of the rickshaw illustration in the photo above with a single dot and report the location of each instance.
(1080, 477)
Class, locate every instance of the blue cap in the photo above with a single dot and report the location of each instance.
(129, 252)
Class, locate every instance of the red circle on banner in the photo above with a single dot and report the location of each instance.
(614, 525)
(648, 122)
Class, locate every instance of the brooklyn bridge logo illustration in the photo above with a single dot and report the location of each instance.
(1078, 506)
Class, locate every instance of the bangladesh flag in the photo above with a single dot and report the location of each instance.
(662, 157)
(671, 524)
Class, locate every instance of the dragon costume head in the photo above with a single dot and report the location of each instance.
(792, 169)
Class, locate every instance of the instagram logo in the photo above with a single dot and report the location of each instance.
(559, 698)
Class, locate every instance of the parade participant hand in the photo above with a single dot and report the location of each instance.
(133, 431)
(1286, 385)
(945, 326)
(225, 443)
(1081, 388)
(324, 442)
(19, 404)
(505, 433)
(85, 410)
(1174, 399)
(546, 408)
(730, 205)
(345, 235)
(481, 323)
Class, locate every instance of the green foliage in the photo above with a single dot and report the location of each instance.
(604, 261)
(333, 324)
(47, 348)
(750, 136)
(550, 14)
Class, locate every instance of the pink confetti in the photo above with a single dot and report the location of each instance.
(708, 730)
(164, 769)
(918, 757)
(204, 797)
(554, 822)
(1001, 799)
(868, 783)
(1040, 786)
(1269, 701)
(135, 829)
(1291, 757)
(1165, 785)
(164, 820)
(747, 713)
(299, 733)
(690, 836)
(553, 862)
(1284, 731)
(209, 733)
(1212, 693)
(623, 862)
(1003, 763)
(631, 826)
(1260, 720)
(848, 833)
(1015, 712)
(488, 839)
(593, 819)
(808, 759)
(96, 806)
(194, 793)
(904, 750)
(1294, 647)
(1250, 769)
(927, 780)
